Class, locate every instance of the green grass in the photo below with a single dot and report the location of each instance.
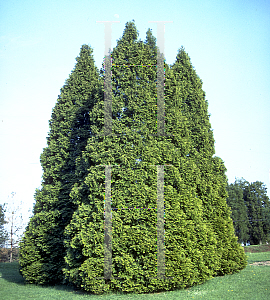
(260, 256)
(251, 283)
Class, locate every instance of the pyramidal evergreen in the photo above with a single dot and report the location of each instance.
(42, 250)
(151, 42)
(199, 240)
(127, 239)
(211, 181)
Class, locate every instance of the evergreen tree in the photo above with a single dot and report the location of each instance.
(239, 214)
(257, 202)
(151, 42)
(266, 225)
(41, 250)
(211, 181)
(200, 240)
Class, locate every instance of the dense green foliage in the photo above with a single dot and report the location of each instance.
(209, 182)
(239, 214)
(199, 240)
(258, 204)
(250, 207)
(42, 250)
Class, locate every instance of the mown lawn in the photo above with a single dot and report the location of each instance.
(251, 283)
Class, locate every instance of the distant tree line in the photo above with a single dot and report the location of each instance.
(250, 207)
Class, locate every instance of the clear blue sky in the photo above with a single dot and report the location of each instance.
(228, 42)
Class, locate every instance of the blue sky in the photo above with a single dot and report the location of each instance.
(228, 42)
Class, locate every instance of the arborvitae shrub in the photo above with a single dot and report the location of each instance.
(199, 238)
(42, 250)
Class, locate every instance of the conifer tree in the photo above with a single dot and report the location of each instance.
(199, 240)
(239, 214)
(258, 204)
(266, 225)
(210, 184)
(42, 250)
(151, 42)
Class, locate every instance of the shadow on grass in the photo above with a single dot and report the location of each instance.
(10, 272)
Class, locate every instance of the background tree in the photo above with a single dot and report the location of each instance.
(239, 211)
(257, 203)
(200, 240)
(3, 232)
(266, 225)
(41, 250)
(15, 223)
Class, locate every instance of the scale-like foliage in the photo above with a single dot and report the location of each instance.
(211, 181)
(199, 237)
(199, 240)
(41, 250)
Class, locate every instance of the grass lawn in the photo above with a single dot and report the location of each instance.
(251, 283)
